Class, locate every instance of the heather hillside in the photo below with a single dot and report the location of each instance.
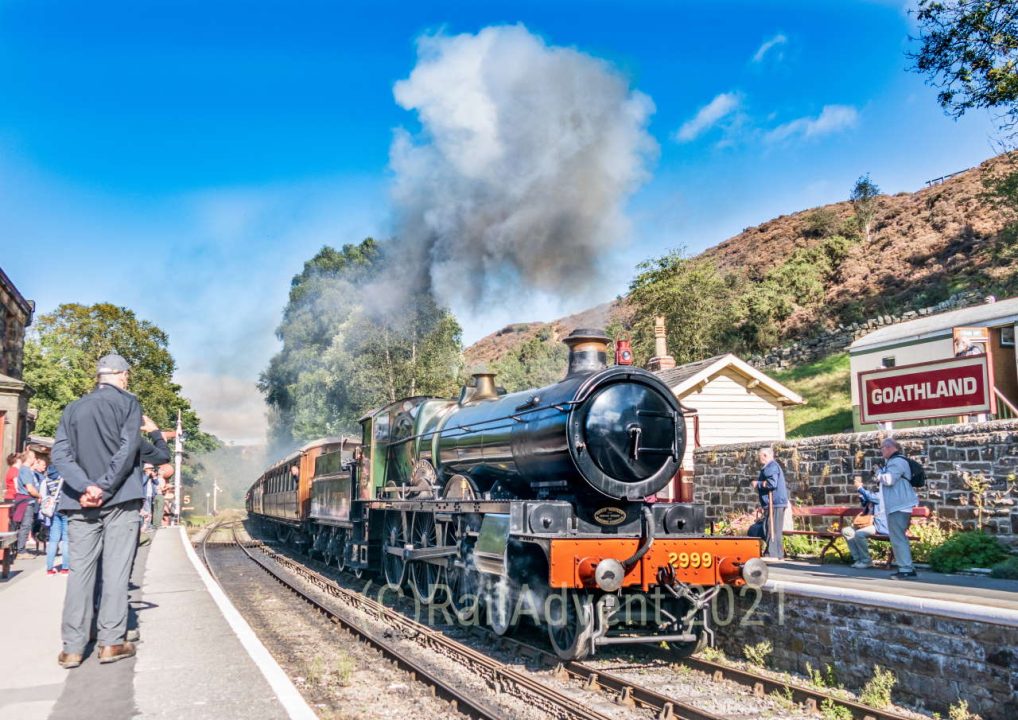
(790, 276)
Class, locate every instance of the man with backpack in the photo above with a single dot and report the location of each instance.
(899, 499)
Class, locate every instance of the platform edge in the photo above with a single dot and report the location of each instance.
(907, 603)
(287, 694)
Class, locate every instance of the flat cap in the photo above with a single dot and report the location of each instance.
(112, 363)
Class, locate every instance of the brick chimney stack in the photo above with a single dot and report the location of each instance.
(661, 360)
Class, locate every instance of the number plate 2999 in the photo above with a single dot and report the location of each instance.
(686, 560)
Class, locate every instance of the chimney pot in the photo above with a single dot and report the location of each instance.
(661, 360)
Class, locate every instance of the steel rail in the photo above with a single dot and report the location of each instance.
(811, 697)
(624, 692)
(209, 531)
(497, 674)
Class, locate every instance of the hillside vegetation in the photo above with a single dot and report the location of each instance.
(800, 273)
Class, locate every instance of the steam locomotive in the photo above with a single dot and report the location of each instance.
(538, 504)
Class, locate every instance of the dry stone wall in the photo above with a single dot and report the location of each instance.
(838, 339)
(820, 471)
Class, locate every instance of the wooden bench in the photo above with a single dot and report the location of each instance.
(842, 514)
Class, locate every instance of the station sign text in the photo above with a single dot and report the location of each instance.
(942, 388)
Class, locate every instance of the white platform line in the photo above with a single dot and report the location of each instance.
(288, 695)
(927, 606)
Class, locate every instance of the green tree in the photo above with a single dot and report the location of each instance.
(820, 223)
(346, 350)
(540, 361)
(696, 300)
(969, 51)
(864, 202)
(64, 346)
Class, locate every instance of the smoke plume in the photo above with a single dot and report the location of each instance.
(519, 174)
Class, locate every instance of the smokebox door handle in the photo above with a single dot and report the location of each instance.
(634, 441)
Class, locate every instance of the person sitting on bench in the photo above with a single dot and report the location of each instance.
(871, 521)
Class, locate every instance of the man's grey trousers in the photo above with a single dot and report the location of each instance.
(110, 533)
(897, 529)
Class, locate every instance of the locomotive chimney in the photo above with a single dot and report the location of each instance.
(588, 351)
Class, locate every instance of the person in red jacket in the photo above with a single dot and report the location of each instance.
(13, 467)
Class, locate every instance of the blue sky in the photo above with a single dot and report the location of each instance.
(185, 158)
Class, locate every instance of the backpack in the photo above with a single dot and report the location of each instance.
(917, 478)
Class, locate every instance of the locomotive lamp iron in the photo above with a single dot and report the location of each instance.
(494, 499)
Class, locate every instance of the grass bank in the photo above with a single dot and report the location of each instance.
(825, 386)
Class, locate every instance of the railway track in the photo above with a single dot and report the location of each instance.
(812, 698)
(618, 690)
(498, 675)
(506, 679)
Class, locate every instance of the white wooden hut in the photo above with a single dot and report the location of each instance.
(733, 402)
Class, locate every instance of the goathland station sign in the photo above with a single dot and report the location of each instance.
(941, 388)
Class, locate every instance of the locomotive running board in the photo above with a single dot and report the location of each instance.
(426, 553)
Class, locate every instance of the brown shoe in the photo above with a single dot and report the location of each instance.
(69, 660)
(112, 653)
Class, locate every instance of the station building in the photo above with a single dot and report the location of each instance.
(15, 420)
(982, 329)
(731, 402)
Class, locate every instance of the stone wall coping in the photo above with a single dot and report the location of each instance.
(918, 605)
(873, 436)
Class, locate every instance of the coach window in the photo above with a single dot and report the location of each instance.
(887, 362)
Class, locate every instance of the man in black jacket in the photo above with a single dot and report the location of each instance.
(98, 452)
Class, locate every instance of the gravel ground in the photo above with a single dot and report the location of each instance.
(727, 698)
(339, 678)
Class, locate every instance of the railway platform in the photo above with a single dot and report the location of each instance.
(965, 597)
(197, 658)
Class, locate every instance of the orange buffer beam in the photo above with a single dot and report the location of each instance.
(695, 561)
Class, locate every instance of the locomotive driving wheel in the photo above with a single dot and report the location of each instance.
(326, 542)
(463, 582)
(570, 624)
(426, 579)
(339, 546)
(395, 542)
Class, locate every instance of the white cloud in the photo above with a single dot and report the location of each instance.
(708, 116)
(768, 45)
(230, 408)
(831, 119)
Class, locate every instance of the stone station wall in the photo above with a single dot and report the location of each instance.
(936, 660)
(820, 471)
